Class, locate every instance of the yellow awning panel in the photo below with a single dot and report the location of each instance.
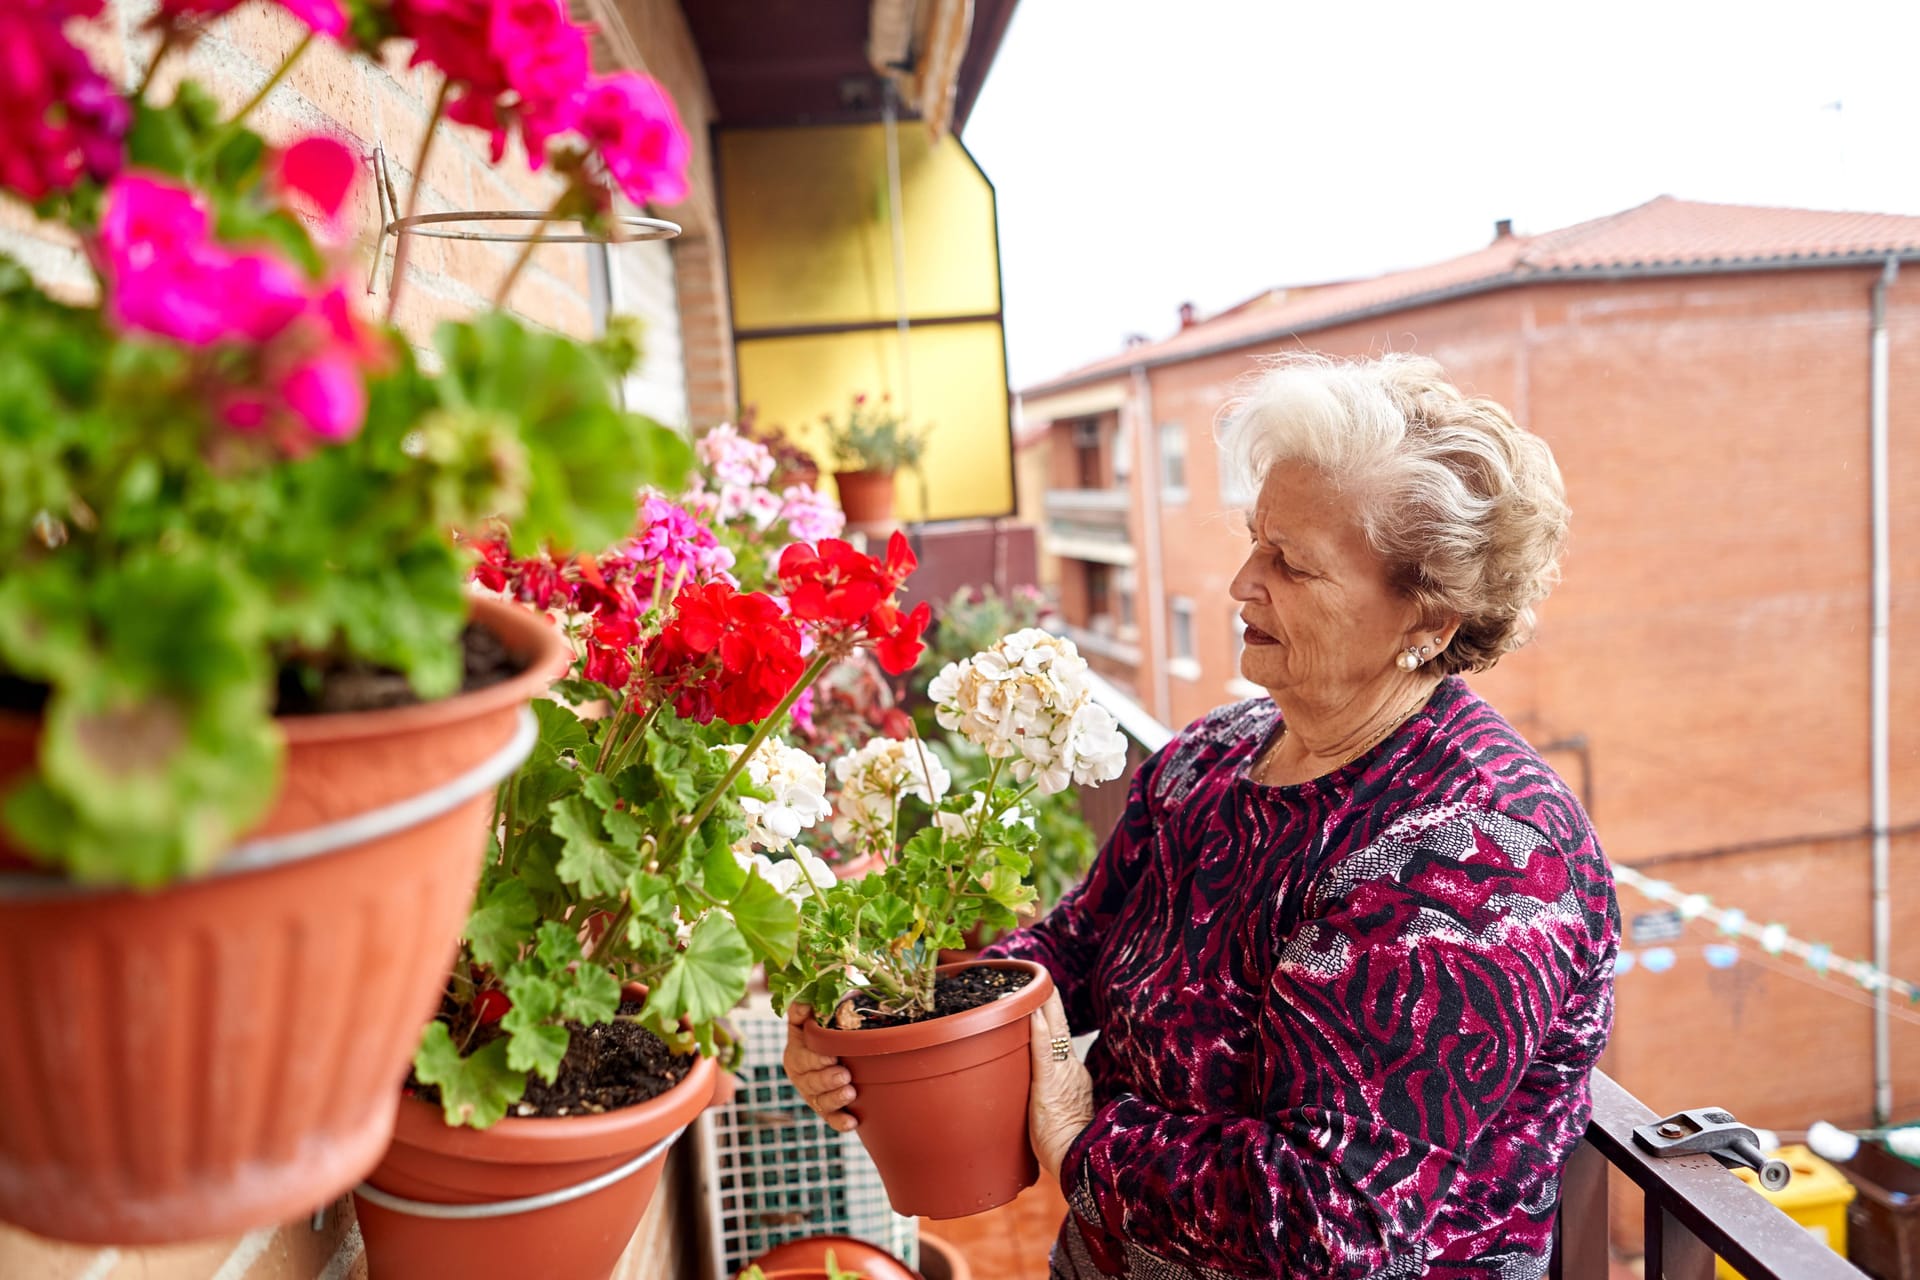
(811, 254)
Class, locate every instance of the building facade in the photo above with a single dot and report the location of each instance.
(1701, 677)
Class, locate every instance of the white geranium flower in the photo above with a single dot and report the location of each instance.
(791, 875)
(874, 779)
(799, 786)
(1027, 699)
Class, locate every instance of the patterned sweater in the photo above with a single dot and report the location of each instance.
(1346, 1027)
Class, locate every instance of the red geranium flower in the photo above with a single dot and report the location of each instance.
(897, 636)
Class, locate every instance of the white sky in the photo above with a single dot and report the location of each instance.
(1150, 152)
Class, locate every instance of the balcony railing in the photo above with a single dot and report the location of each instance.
(1695, 1208)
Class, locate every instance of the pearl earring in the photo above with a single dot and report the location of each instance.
(1408, 660)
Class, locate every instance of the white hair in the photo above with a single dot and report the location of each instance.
(1465, 507)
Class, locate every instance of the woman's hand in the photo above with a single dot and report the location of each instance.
(822, 1081)
(1061, 1102)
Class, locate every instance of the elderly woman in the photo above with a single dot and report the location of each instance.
(1349, 951)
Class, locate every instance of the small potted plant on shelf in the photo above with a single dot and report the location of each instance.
(250, 716)
(643, 863)
(869, 446)
(938, 1053)
(736, 491)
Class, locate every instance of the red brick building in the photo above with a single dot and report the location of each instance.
(1703, 374)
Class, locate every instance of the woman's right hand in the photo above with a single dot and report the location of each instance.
(822, 1081)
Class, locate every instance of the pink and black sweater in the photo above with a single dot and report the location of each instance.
(1346, 1027)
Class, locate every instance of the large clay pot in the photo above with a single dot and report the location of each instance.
(223, 1054)
(436, 1166)
(866, 496)
(942, 1104)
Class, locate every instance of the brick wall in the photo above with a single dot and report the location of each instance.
(368, 106)
(1709, 641)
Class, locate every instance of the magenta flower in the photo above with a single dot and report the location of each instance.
(59, 118)
(323, 170)
(145, 217)
(328, 394)
(632, 123)
(509, 60)
(673, 548)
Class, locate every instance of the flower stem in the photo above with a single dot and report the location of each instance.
(273, 82)
(404, 240)
(169, 38)
(526, 252)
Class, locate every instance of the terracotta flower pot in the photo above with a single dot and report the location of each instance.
(854, 869)
(942, 1104)
(866, 496)
(940, 1260)
(808, 1257)
(222, 1055)
(581, 1237)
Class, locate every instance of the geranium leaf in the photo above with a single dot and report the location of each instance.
(500, 924)
(592, 995)
(474, 1090)
(534, 1044)
(705, 980)
(767, 919)
(589, 861)
(557, 946)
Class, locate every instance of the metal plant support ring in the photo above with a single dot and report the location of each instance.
(444, 226)
(527, 1204)
(374, 824)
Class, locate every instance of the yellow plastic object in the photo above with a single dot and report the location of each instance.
(1817, 1199)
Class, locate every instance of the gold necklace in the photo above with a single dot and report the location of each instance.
(1265, 763)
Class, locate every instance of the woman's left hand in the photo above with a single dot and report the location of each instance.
(1060, 1104)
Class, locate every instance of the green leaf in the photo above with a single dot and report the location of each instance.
(500, 924)
(722, 875)
(590, 862)
(768, 920)
(557, 947)
(708, 978)
(534, 1044)
(649, 894)
(475, 1090)
(592, 995)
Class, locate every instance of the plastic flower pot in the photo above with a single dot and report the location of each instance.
(942, 1104)
(554, 1198)
(866, 496)
(223, 1054)
(941, 1260)
(808, 1258)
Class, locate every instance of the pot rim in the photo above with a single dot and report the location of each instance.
(1013, 1006)
(556, 1139)
(528, 636)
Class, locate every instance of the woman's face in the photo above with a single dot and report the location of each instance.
(1323, 621)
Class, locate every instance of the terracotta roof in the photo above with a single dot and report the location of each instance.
(1662, 236)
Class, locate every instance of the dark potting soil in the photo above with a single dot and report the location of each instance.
(607, 1067)
(952, 993)
(354, 686)
(22, 695)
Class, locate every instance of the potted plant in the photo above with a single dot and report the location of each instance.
(644, 862)
(252, 716)
(938, 1053)
(827, 1258)
(738, 490)
(869, 446)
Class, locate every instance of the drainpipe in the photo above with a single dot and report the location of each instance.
(1879, 678)
(1147, 467)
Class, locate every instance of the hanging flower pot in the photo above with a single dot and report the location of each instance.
(942, 1103)
(222, 1054)
(554, 1198)
(866, 496)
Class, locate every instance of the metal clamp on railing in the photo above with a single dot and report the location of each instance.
(1713, 1132)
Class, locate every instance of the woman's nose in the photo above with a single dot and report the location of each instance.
(1244, 585)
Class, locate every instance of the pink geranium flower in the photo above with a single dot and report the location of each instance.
(59, 118)
(328, 394)
(510, 61)
(323, 170)
(634, 126)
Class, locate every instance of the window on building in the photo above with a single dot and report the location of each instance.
(1086, 454)
(1180, 616)
(1233, 493)
(1123, 448)
(1173, 461)
(1124, 588)
(1100, 598)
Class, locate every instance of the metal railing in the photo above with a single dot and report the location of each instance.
(1695, 1208)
